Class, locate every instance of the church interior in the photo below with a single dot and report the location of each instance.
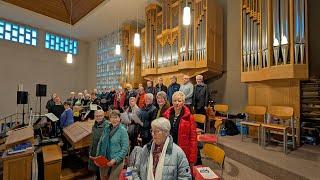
(159, 89)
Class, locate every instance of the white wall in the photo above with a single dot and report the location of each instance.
(32, 65)
(230, 90)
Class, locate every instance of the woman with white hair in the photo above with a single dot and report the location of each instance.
(161, 158)
(183, 129)
(147, 115)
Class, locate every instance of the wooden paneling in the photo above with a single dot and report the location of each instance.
(277, 93)
(59, 9)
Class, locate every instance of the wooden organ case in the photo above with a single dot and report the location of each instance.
(170, 48)
(274, 52)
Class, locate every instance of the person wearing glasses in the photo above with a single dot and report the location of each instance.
(183, 127)
(161, 158)
(97, 130)
(114, 146)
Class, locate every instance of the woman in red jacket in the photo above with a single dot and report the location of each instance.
(119, 100)
(183, 127)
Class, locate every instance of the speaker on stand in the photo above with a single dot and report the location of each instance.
(41, 91)
(22, 98)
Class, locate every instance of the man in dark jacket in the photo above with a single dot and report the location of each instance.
(147, 115)
(174, 86)
(200, 96)
(51, 103)
(150, 88)
(160, 86)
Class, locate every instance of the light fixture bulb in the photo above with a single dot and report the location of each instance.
(118, 49)
(136, 40)
(284, 40)
(69, 58)
(186, 16)
(275, 42)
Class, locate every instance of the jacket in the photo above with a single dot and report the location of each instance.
(115, 147)
(175, 167)
(162, 109)
(66, 118)
(140, 101)
(151, 90)
(161, 88)
(147, 115)
(200, 96)
(187, 89)
(97, 130)
(187, 136)
(171, 89)
(122, 101)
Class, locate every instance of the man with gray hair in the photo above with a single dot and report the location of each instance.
(200, 96)
(187, 89)
(147, 115)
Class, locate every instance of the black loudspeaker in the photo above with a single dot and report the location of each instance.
(22, 97)
(41, 90)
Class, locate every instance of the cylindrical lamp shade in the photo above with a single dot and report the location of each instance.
(186, 16)
(118, 49)
(69, 58)
(136, 40)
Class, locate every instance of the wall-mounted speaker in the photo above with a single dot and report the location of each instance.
(41, 90)
(22, 97)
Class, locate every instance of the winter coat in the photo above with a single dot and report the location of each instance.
(66, 118)
(115, 147)
(121, 103)
(161, 88)
(175, 166)
(171, 89)
(97, 130)
(162, 109)
(187, 136)
(200, 96)
(151, 90)
(147, 115)
(140, 101)
(187, 89)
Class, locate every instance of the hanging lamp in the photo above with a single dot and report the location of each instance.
(136, 39)
(186, 15)
(118, 48)
(69, 55)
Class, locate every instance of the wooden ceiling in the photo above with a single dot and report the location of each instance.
(59, 9)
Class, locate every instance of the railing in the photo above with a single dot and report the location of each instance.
(9, 122)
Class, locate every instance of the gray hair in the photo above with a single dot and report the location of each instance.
(150, 96)
(199, 77)
(132, 98)
(162, 94)
(99, 111)
(162, 124)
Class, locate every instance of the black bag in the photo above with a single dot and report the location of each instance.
(231, 128)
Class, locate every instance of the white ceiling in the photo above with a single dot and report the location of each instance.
(97, 23)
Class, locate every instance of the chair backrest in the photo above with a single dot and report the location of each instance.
(280, 111)
(199, 118)
(256, 110)
(217, 126)
(215, 153)
(221, 108)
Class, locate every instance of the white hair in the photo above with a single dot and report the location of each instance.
(99, 111)
(199, 77)
(150, 96)
(162, 124)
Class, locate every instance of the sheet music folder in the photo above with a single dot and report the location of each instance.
(52, 117)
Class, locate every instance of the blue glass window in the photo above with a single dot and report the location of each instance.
(18, 33)
(60, 43)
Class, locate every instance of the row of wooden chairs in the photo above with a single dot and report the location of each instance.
(282, 113)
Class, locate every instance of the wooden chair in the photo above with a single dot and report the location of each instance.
(283, 113)
(255, 111)
(211, 138)
(200, 118)
(223, 109)
(216, 154)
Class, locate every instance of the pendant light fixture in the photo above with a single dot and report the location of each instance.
(118, 48)
(69, 55)
(136, 40)
(186, 15)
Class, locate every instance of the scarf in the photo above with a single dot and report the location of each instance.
(159, 169)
